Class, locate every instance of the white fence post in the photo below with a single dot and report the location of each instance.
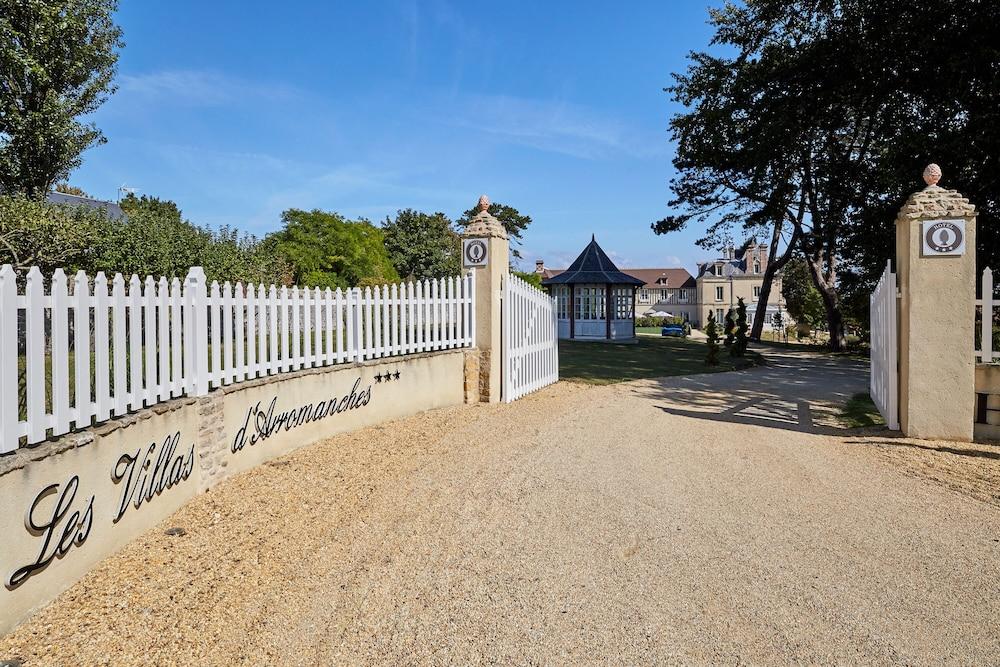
(9, 429)
(197, 346)
(985, 352)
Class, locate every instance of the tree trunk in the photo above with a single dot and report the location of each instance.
(773, 266)
(831, 303)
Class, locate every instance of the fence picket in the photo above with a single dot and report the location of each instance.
(986, 318)
(176, 338)
(150, 394)
(9, 393)
(134, 305)
(102, 348)
(35, 354)
(60, 354)
(119, 351)
(251, 331)
(272, 322)
(83, 407)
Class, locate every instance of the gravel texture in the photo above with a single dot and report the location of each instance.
(713, 519)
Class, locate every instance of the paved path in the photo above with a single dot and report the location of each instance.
(714, 519)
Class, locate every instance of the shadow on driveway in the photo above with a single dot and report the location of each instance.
(794, 391)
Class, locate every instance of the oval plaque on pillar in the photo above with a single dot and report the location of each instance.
(474, 253)
(943, 238)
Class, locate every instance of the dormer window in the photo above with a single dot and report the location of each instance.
(756, 267)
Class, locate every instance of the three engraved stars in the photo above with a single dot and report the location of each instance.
(386, 377)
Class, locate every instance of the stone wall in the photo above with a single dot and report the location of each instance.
(71, 502)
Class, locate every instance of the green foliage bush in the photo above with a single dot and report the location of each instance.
(36, 233)
(154, 239)
(422, 246)
(740, 331)
(656, 321)
(327, 250)
(712, 331)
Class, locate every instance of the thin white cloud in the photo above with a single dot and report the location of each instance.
(200, 88)
(550, 125)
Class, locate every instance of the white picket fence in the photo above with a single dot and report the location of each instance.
(985, 353)
(530, 339)
(146, 341)
(883, 371)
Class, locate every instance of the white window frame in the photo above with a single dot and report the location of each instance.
(756, 291)
(719, 293)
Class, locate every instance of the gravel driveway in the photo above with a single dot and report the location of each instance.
(714, 519)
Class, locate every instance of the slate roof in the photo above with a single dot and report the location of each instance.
(674, 277)
(111, 209)
(592, 266)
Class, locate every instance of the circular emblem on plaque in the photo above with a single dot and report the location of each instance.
(943, 236)
(475, 251)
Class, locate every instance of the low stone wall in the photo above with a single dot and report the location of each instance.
(69, 503)
(987, 424)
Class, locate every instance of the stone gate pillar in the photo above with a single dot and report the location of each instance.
(485, 250)
(936, 268)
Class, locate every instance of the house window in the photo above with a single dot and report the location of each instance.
(720, 317)
(756, 291)
(718, 293)
(644, 295)
(756, 267)
(683, 295)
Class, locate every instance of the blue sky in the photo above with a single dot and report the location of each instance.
(239, 110)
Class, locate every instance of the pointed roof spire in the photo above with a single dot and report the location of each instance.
(593, 266)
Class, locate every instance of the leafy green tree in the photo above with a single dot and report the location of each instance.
(513, 221)
(155, 239)
(740, 335)
(36, 233)
(802, 300)
(57, 63)
(729, 329)
(712, 331)
(326, 250)
(422, 245)
(530, 277)
(68, 189)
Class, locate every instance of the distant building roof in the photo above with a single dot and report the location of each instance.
(113, 210)
(592, 266)
(663, 277)
(736, 262)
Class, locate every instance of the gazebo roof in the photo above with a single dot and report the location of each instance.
(592, 266)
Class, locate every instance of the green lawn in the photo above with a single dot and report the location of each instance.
(607, 363)
(859, 412)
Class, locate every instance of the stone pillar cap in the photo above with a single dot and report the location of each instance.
(935, 201)
(484, 224)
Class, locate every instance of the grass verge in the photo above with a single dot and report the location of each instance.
(607, 363)
(860, 412)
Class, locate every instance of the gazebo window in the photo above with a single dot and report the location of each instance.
(623, 303)
(562, 302)
(589, 303)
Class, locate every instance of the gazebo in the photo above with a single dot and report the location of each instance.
(594, 300)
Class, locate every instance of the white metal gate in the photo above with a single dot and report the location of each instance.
(884, 380)
(530, 339)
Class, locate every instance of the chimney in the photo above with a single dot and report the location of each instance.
(539, 266)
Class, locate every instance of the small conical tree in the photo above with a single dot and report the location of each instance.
(712, 331)
(740, 336)
(730, 330)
